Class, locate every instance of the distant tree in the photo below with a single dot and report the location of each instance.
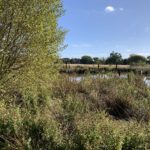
(75, 60)
(103, 60)
(87, 60)
(66, 60)
(148, 59)
(137, 59)
(96, 60)
(125, 61)
(114, 58)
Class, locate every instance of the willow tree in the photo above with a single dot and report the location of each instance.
(29, 41)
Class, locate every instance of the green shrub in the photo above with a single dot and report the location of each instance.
(94, 114)
(21, 130)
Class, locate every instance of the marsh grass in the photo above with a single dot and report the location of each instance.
(93, 114)
(120, 98)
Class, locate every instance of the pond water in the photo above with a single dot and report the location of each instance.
(104, 76)
(147, 81)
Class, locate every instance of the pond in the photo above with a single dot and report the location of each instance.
(146, 79)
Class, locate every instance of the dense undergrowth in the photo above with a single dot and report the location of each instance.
(94, 114)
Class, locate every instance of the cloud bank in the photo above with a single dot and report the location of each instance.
(109, 9)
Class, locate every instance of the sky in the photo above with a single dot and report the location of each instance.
(98, 27)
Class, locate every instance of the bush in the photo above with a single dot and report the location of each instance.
(120, 98)
(20, 130)
(93, 114)
(96, 131)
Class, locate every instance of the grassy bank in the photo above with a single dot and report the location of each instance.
(93, 114)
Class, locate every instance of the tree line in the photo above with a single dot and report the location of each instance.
(114, 58)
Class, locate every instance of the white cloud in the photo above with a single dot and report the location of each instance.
(109, 9)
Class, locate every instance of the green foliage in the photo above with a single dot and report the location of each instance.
(148, 59)
(121, 98)
(96, 131)
(96, 60)
(39, 110)
(19, 129)
(86, 60)
(94, 114)
(30, 39)
(114, 58)
(137, 59)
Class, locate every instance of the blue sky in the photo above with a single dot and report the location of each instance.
(98, 27)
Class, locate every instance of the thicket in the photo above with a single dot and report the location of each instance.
(91, 114)
(30, 39)
(100, 114)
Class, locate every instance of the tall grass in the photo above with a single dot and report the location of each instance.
(93, 114)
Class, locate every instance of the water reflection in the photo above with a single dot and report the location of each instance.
(147, 81)
(105, 76)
